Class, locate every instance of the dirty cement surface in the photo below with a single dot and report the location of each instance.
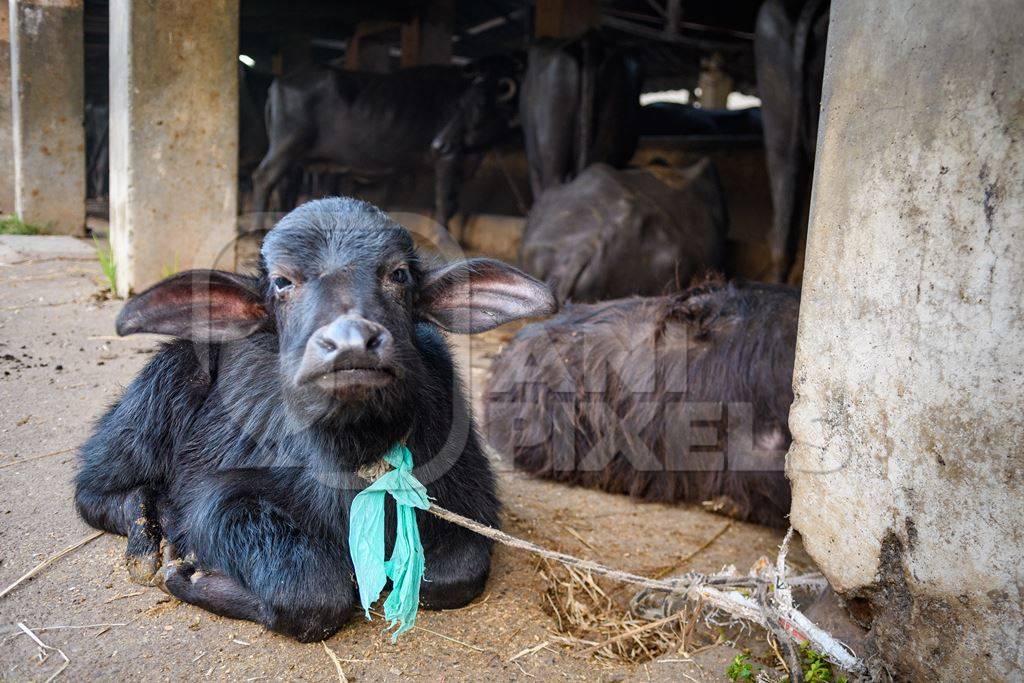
(60, 365)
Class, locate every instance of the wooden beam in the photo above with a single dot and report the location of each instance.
(427, 39)
(369, 47)
(565, 18)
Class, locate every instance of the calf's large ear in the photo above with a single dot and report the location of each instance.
(201, 305)
(479, 294)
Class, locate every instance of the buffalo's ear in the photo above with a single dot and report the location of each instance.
(201, 305)
(479, 294)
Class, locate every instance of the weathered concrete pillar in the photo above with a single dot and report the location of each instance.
(48, 103)
(6, 121)
(173, 137)
(908, 455)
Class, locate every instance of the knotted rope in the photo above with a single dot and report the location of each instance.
(774, 611)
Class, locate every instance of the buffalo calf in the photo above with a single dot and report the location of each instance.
(240, 444)
(675, 398)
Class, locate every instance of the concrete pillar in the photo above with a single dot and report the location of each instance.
(908, 457)
(173, 137)
(6, 121)
(48, 109)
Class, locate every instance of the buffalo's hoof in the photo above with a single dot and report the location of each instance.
(174, 573)
(142, 568)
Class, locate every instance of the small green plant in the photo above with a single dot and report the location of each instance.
(817, 668)
(171, 269)
(106, 257)
(12, 225)
(740, 668)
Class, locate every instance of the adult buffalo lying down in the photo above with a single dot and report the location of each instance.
(612, 233)
(675, 398)
(243, 442)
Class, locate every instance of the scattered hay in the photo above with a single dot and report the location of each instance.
(586, 614)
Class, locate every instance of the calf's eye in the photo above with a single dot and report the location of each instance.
(400, 276)
(282, 283)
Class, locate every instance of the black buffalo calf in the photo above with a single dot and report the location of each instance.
(241, 443)
(673, 398)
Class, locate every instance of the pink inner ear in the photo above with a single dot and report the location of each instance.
(226, 303)
(197, 305)
(482, 294)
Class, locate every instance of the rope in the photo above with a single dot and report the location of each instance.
(778, 616)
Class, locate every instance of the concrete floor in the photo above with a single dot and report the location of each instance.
(61, 365)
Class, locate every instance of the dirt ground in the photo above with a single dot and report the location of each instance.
(61, 365)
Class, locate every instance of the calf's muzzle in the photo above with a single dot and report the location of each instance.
(349, 351)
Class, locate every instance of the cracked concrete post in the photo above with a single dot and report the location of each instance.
(908, 457)
(6, 122)
(48, 102)
(173, 137)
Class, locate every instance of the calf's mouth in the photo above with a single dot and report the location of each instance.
(342, 379)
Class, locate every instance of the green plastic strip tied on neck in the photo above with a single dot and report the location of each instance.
(366, 542)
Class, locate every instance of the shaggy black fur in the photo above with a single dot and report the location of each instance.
(675, 398)
(247, 471)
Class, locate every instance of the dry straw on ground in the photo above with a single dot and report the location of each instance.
(586, 615)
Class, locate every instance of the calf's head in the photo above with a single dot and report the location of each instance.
(342, 289)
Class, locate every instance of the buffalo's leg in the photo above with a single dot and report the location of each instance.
(282, 156)
(294, 583)
(458, 562)
(129, 513)
(142, 554)
(212, 591)
(780, 90)
(124, 463)
(446, 186)
(550, 116)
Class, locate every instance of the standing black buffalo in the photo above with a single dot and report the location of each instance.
(243, 443)
(675, 398)
(376, 125)
(580, 105)
(613, 232)
(789, 51)
(97, 150)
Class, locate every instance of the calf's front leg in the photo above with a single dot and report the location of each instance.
(132, 513)
(252, 561)
(457, 564)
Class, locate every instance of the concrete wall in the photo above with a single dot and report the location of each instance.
(6, 122)
(173, 137)
(48, 100)
(908, 459)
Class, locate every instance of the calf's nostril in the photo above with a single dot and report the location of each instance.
(373, 342)
(326, 343)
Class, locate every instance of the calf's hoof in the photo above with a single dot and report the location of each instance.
(142, 568)
(174, 574)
